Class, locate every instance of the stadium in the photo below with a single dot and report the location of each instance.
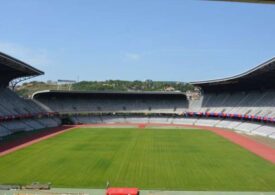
(220, 139)
(216, 138)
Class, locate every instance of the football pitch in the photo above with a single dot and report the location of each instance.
(165, 159)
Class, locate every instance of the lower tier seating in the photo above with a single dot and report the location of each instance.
(239, 126)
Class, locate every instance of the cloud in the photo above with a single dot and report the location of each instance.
(35, 57)
(132, 56)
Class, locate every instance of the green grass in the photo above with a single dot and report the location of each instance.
(145, 158)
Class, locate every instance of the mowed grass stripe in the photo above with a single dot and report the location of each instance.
(147, 158)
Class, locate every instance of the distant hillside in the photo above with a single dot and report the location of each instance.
(29, 88)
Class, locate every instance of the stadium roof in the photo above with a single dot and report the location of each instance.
(250, 1)
(12, 68)
(260, 77)
(107, 93)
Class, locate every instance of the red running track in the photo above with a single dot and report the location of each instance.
(257, 148)
(253, 146)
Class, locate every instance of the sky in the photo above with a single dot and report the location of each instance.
(163, 40)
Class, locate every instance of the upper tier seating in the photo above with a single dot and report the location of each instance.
(82, 105)
(11, 105)
(253, 103)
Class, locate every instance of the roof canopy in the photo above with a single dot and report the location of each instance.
(11, 68)
(260, 77)
(250, 1)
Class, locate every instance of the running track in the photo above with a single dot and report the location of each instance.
(257, 148)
